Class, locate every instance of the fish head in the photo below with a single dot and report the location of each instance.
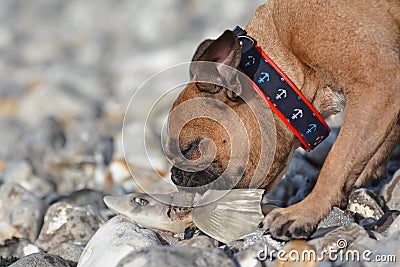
(148, 211)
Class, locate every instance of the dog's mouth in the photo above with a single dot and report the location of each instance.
(209, 178)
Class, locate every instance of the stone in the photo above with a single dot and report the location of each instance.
(386, 222)
(124, 174)
(66, 223)
(86, 197)
(388, 252)
(89, 139)
(304, 189)
(42, 260)
(340, 238)
(393, 166)
(67, 251)
(7, 230)
(394, 227)
(391, 192)
(17, 247)
(253, 256)
(255, 238)
(71, 173)
(299, 165)
(43, 140)
(336, 217)
(366, 204)
(178, 256)
(83, 161)
(65, 104)
(169, 238)
(20, 172)
(11, 132)
(201, 241)
(250, 248)
(21, 210)
(114, 240)
(297, 182)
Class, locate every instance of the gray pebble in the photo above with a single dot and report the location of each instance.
(17, 247)
(21, 173)
(366, 204)
(10, 133)
(201, 241)
(169, 238)
(114, 240)
(64, 104)
(255, 238)
(298, 181)
(42, 260)
(336, 217)
(67, 251)
(388, 249)
(391, 192)
(386, 222)
(253, 256)
(65, 223)
(178, 256)
(86, 197)
(306, 186)
(22, 210)
(349, 233)
(299, 165)
(394, 227)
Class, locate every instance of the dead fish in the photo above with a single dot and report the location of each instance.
(225, 215)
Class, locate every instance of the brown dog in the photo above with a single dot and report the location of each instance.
(339, 54)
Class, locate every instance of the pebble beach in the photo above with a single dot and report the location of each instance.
(70, 134)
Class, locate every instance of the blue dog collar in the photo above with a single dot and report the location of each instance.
(281, 94)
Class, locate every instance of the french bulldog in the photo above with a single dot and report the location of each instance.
(341, 55)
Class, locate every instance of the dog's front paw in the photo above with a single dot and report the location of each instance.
(290, 223)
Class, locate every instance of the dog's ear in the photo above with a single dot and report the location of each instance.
(201, 49)
(224, 50)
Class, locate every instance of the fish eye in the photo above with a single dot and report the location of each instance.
(141, 201)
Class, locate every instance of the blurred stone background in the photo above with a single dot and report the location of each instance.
(84, 59)
(79, 63)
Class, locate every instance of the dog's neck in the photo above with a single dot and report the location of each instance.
(274, 40)
(312, 87)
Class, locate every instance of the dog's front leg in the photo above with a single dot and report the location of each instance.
(368, 120)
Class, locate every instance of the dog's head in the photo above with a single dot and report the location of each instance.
(215, 130)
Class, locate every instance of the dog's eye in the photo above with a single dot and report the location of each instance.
(141, 201)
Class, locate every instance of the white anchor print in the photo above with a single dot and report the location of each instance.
(281, 94)
(298, 113)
